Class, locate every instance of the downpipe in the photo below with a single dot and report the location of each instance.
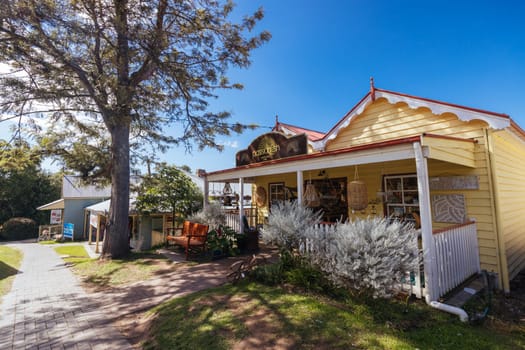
(450, 309)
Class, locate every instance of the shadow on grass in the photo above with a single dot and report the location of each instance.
(6, 270)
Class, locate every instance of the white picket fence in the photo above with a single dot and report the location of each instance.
(457, 255)
(232, 220)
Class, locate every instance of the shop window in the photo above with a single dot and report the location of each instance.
(402, 196)
(332, 198)
(277, 193)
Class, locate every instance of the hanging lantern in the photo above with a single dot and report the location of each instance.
(227, 189)
(311, 197)
(357, 194)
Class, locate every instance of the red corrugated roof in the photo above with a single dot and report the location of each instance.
(311, 134)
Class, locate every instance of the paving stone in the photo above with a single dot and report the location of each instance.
(43, 308)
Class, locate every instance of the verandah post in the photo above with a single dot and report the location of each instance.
(429, 249)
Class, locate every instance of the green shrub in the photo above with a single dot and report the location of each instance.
(16, 229)
(271, 274)
(223, 239)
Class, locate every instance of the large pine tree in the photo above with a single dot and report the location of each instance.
(114, 69)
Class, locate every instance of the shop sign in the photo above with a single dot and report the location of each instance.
(68, 230)
(56, 217)
(272, 146)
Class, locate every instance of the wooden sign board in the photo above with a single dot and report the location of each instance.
(270, 146)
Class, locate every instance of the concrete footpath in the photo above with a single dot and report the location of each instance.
(48, 309)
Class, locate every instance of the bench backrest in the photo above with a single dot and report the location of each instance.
(186, 228)
(199, 230)
(193, 228)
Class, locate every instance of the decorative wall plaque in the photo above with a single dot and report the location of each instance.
(438, 183)
(449, 208)
(270, 146)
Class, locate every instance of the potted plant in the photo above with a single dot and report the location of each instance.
(222, 241)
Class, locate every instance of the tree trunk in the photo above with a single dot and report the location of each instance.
(116, 240)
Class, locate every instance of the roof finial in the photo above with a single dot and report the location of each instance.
(372, 89)
(276, 126)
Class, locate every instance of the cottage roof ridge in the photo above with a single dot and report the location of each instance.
(493, 119)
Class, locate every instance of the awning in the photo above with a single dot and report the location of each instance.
(102, 208)
(58, 204)
(99, 208)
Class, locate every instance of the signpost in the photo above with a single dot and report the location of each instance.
(68, 230)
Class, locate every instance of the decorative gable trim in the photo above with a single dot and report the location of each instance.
(494, 120)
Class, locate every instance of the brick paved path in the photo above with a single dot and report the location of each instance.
(47, 308)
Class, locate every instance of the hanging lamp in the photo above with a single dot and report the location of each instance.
(357, 193)
(311, 197)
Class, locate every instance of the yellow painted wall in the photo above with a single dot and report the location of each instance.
(382, 121)
(509, 160)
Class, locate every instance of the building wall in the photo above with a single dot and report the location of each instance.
(382, 121)
(508, 155)
(74, 213)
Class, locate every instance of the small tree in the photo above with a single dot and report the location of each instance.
(170, 189)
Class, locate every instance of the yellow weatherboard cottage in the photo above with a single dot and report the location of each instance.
(456, 172)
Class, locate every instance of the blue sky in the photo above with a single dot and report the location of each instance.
(318, 64)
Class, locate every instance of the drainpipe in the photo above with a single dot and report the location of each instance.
(429, 249)
(503, 270)
(463, 316)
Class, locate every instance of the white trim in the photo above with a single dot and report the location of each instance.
(429, 249)
(437, 108)
(320, 145)
(375, 155)
(300, 186)
(464, 114)
(241, 203)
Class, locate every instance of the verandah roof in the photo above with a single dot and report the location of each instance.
(448, 149)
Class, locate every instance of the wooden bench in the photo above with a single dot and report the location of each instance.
(193, 238)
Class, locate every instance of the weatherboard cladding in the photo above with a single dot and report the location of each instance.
(386, 119)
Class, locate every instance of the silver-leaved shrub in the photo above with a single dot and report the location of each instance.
(369, 256)
(288, 225)
(211, 215)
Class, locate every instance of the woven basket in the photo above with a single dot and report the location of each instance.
(357, 195)
(260, 196)
(311, 197)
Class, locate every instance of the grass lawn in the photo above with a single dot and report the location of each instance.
(56, 242)
(254, 316)
(112, 273)
(10, 260)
